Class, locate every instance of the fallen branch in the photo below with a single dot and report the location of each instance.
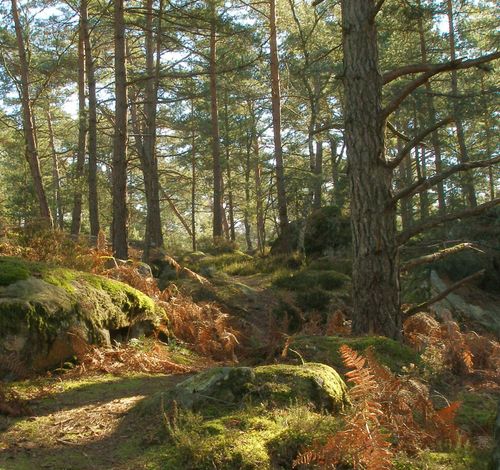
(445, 293)
(436, 256)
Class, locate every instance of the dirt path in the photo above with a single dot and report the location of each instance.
(90, 423)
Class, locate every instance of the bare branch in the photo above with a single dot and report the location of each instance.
(397, 133)
(403, 237)
(446, 292)
(409, 265)
(419, 68)
(425, 183)
(407, 148)
(434, 70)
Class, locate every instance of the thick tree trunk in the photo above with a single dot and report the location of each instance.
(467, 181)
(57, 208)
(276, 113)
(375, 252)
(29, 123)
(76, 216)
(214, 114)
(92, 130)
(119, 168)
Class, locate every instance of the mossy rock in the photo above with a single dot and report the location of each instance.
(310, 278)
(43, 308)
(279, 385)
(246, 418)
(325, 349)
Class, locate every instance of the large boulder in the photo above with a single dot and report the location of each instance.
(327, 232)
(315, 384)
(48, 314)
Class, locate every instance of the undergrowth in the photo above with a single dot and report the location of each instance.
(389, 415)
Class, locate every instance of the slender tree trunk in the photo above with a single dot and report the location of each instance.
(76, 216)
(375, 251)
(405, 179)
(119, 168)
(261, 231)
(92, 129)
(431, 118)
(29, 123)
(218, 215)
(149, 160)
(228, 169)
(488, 139)
(56, 178)
(318, 172)
(276, 113)
(248, 170)
(467, 181)
(193, 180)
(335, 162)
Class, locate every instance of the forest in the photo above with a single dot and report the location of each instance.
(251, 234)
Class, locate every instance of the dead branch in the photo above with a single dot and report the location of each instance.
(445, 293)
(403, 237)
(409, 265)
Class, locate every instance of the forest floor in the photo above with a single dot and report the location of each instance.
(83, 423)
(86, 421)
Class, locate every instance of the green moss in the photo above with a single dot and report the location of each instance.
(265, 439)
(325, 349)
(12, 270)
(459, 459)
(314, 299)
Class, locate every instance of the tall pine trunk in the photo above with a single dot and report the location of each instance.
(76, 216)
(92, 129)
(375, 252)
(57, 207)
(29, 123)
(276, 114)
(467, 181)
(119, 168)
(214, 114)
(149, 160)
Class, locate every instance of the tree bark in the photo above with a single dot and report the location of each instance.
(154, 234)
(214, 113)
(29, 123)
(193, 180)
(467, 182)
(76, 216)
(92, 129)
(230, 199)
(318, 172)
(276, 114)
(119, 168)
(375, 279)
(57, 208)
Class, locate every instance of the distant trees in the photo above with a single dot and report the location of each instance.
(231, 120)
